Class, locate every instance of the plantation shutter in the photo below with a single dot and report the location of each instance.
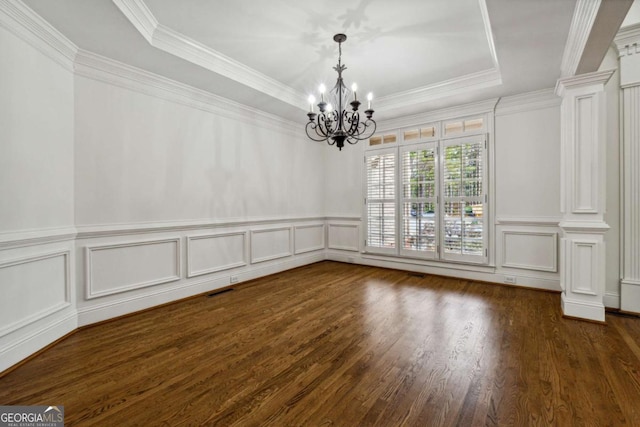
(464, 203)
(380, 170)
(418, 208)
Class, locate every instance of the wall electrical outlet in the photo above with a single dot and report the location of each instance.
(234, 279)
(510, 279)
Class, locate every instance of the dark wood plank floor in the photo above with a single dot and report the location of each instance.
(344, 345)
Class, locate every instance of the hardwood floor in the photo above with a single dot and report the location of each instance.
(344, 345)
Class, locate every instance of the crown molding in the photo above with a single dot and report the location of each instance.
(27, 25)
(474, 81)
(177, 44)
(584, 16)
(487, 30)
(458, 111)
(581, 80)
(628, 40)
(100, 68)
(529, 101)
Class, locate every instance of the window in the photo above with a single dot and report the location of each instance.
(381, 202)
(463, 199)
(389, 138)
(428, 199)
(418, 207)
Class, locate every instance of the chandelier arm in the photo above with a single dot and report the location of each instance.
(315, 128)
(365, 131)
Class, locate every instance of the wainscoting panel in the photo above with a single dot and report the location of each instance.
(271, 243)
(308, 238)
(111, 269)
(33, 288)
(344, 236)
(215, 252)
(530, 250)
(584, 267)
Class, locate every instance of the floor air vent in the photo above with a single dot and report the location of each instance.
(420, 275)
(216, 293)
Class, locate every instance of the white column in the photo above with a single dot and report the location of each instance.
(583, 194)
(628, 43)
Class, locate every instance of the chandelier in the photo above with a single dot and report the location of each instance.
(337, 124)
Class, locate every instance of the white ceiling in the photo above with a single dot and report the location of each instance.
(414, 55)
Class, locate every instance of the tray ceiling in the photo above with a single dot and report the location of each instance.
(414, 55)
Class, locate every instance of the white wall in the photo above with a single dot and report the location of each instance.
(179, 192)
(528, 162)
(343, 181)
(141, 158)
(527, 150)
(36, 198)
(36, 130)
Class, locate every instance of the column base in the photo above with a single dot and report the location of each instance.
(630, 296)
(582, 309)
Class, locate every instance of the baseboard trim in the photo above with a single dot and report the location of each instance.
(611, 300)
(480, 274)
(100, 312)
(630, 296)
(582, 310)
(27, 347)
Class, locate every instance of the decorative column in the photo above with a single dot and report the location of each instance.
(628, 43)
(583, 194)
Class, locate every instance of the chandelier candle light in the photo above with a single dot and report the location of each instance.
(339, 125)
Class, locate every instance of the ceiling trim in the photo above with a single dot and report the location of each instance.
(27, 25)
(584, 16)
(177, 44)
(537, 100)
(474, 81)
(140, 16)
(107, 70)
(456, 112)
(487, 30)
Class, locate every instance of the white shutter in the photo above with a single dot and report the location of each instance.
(463, 228)
(380, 209)
(418, 206)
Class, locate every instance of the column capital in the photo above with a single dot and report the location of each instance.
(628, 40)
(628, 43)
(589, 80)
